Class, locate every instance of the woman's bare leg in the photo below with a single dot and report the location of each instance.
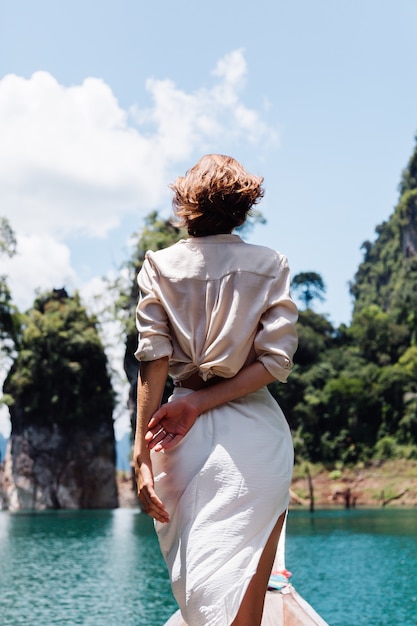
(251, 609)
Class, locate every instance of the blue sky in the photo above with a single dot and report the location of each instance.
(103, 103)
(334, 81)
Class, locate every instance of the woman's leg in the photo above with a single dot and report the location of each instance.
(251, 609)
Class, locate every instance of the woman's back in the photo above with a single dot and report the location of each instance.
(218, 294)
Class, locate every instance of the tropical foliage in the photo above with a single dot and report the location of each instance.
(353, 392)
(9, 318)
(59, 375)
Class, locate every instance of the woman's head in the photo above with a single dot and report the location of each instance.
(215, 196)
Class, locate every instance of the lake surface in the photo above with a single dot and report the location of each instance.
(103, 568)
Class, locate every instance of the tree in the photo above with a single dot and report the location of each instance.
(409, 176)
(311, 287)
(7, 238)
(315, 334)
(9, 318)
(59, 375)
(378, 338)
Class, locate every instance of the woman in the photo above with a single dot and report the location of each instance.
(214, 465)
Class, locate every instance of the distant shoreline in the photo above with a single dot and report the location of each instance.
(390, 483)
(385, 484)
(380, 484)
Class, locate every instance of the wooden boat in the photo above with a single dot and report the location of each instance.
(283, 605)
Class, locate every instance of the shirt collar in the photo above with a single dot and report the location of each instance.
(222, 238)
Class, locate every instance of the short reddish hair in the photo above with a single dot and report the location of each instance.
(215, 196)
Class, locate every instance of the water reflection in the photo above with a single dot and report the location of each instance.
(374, 521)
(93, 568)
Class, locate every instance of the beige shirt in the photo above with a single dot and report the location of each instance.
(214, 304)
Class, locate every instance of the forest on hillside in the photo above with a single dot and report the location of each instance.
(351, 397)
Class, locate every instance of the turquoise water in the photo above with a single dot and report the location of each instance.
(103, 568)
(357, 567)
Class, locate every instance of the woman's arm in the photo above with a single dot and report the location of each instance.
(178, 416)
(151, 382)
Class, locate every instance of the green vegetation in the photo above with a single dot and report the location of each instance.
(9, 317)
(353, 393)
(311, 287)
(59, 376)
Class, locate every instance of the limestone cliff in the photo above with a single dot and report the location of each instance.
(61, 452)
(53, 469)
(388, 273)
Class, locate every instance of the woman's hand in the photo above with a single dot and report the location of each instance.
(171, 423)
(150, 503)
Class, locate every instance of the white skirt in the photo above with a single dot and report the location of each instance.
(224, 486)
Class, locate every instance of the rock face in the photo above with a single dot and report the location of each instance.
(48, 468)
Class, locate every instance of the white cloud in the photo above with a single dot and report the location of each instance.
(206, 117)
(41, 263)
(69, 161)
(73, 161)
(232, 68)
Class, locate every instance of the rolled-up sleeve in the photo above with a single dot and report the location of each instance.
(151, 318)
(276, 340)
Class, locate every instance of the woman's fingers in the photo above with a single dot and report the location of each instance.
(161, 439)
(169, 424)
(166, 443)
(154, 432)
(158, 512)
(153, 506)
(171, 441)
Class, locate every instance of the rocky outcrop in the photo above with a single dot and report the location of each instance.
(61, 452)
(53, 468)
